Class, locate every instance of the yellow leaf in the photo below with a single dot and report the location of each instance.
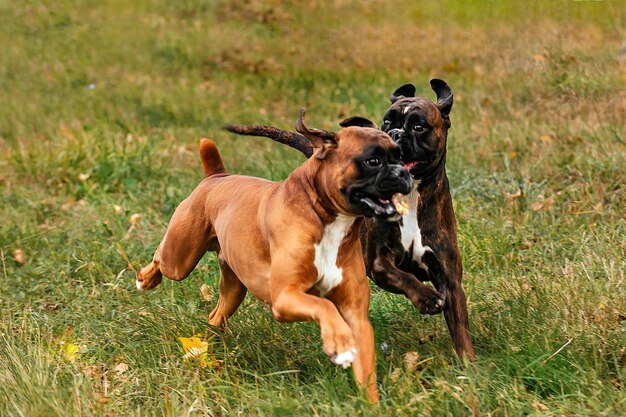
(546, 138)
(195, 349)
(539, 58)
(70, 351)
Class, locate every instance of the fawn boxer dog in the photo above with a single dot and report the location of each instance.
(422, 246)
(293, 244)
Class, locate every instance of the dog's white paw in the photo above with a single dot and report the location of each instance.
(138, 285)
(344, 359)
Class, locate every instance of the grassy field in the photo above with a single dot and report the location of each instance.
(102, 104)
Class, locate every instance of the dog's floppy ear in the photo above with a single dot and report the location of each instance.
(320, 139)
(444, 97)
(407, 90)
(357, 121)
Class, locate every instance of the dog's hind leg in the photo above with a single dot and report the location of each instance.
(455, 312)
(447, 277)
(189, 236)
(150, 276)
(232, 292)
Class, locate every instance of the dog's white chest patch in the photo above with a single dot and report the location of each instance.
(410, 230)
(329, 275)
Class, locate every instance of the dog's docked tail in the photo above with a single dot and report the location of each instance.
(211, 159)
(292, 139)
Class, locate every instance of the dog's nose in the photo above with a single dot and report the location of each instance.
(400, 172)
(395, 134)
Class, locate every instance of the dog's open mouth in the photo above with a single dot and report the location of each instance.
(412, 164)
(381, 207)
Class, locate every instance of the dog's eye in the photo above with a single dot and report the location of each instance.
(373, 162)
(418, 128)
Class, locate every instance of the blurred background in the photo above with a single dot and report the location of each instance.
(102, 105)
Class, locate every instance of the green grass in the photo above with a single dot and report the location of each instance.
(536, 161)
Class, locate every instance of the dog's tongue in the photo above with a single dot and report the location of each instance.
(410, 165)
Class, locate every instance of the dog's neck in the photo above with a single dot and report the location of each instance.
(435, 208)
(435, 174)
(302, 180)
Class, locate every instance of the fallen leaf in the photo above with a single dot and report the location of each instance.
(539, 58)
(101, 398)
(513, 196)
(598, 207)
(135, 219)
(546, 138)
(193, 346)
(526, 244)
(195, 350)
(70, 351)
(395, 374)
(206, 292)
(91, 371)
(18, 255)
(545, 205)
(120, 369)
(50, 307)
(118, 210)
(411, 360)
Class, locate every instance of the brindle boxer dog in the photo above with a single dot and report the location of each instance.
(293, 244)
(423, 245)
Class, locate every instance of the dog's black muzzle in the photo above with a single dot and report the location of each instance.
(373, 199)
(395, 180)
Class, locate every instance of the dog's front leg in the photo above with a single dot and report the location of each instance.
(290, 302)
(352, 300)
(387, 276)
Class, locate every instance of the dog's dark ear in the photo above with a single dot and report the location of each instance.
(407, 90)
(357, 121)
(322, 140)
(444, 96)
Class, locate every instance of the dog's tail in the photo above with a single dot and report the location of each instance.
(292, 139)
(211, 159)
